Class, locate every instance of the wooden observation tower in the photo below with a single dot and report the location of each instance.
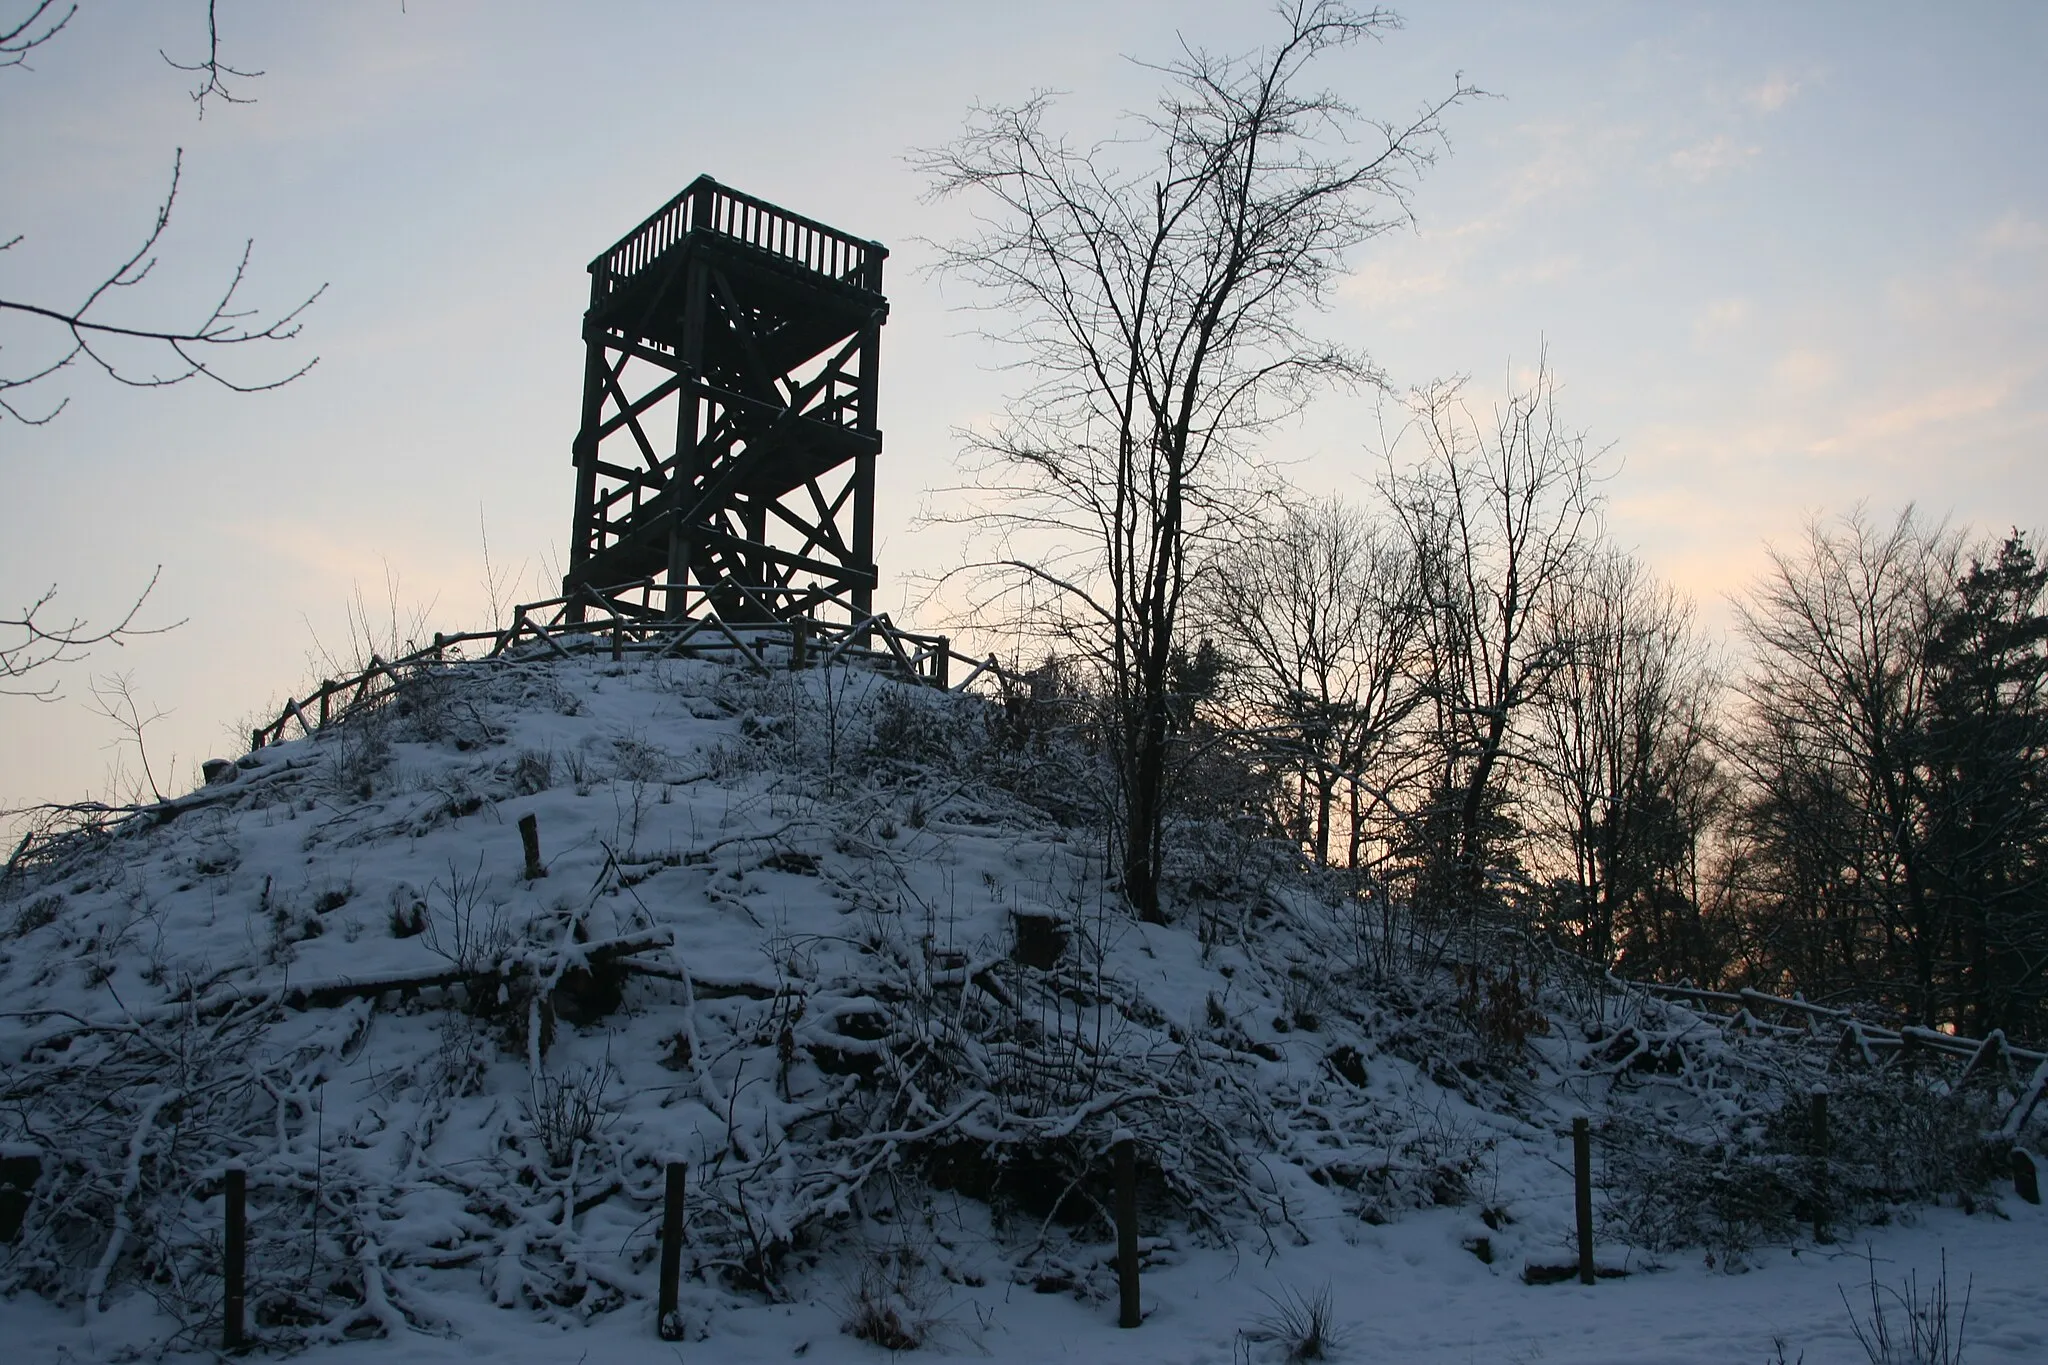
(726, 460)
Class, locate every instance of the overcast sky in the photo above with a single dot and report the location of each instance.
(1783, 258)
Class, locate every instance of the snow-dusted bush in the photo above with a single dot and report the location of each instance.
(35, 914)
(532, 772)
(359, 751)
(566, 1112)
(1727, 1158)
(1042, 742)
(889, 1298)
(137, 1125)
(1898, 1134)
(1662, 1191)
(465, 922)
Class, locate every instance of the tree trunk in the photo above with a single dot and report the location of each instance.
(1146, 814)
(1326, 798)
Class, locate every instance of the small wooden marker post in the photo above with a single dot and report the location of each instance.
(235, 1252)
(1582, 1178)
(799, 641)
(1128, 1311)
(529, 836)
(1817, 1126)
(668, 1320)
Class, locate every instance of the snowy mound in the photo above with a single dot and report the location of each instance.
(842, 945)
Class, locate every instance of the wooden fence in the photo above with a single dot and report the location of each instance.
(1854, 1041)
(606, 622)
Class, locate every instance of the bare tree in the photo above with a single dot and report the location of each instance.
(1502, 518)
(1621, 736)
(1156, 284)
(1321, 611)
(1836, 700)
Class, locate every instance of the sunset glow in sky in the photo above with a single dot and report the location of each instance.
(1783, 258)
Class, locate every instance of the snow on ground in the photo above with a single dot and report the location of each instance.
(1404, 1293)
(856, 951)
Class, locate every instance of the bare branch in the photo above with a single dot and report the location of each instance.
(213, 69)
(183, 352)
(113, 696)
(28, 643)
(31, 33)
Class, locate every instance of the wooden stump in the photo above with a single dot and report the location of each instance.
(529, 837)
(2026, 1177)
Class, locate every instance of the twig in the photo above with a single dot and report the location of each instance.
(213, 68)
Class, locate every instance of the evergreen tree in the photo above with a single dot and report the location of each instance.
(1985, 761)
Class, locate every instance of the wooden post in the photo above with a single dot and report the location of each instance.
(255, 740)
(441, 642)
(668, 1320)
(798, 643)
(234, 1271)
(618, 641)
(529, 835)
(1817, 1124)
(941, 661)
(1582, 1177)
(1128, 1312)
(326, 694)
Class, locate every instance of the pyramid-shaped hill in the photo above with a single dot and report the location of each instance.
(841, 944)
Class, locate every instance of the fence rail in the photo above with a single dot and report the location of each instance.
(592, 621)
(1748, 1007)
(1853, 1040)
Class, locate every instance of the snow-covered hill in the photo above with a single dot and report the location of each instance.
(842, 946)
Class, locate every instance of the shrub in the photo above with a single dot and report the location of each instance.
(1898, 1135)
(568, 1111)
(1501, 1006)
(37, 913)
(1302, 1325)
(472, 931)
(888, 1300)
(533, 771)
(1664, 1192)
(1921, 1333)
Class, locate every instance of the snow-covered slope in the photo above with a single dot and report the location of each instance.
(835, 943)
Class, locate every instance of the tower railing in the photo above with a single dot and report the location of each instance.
(709, 206)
